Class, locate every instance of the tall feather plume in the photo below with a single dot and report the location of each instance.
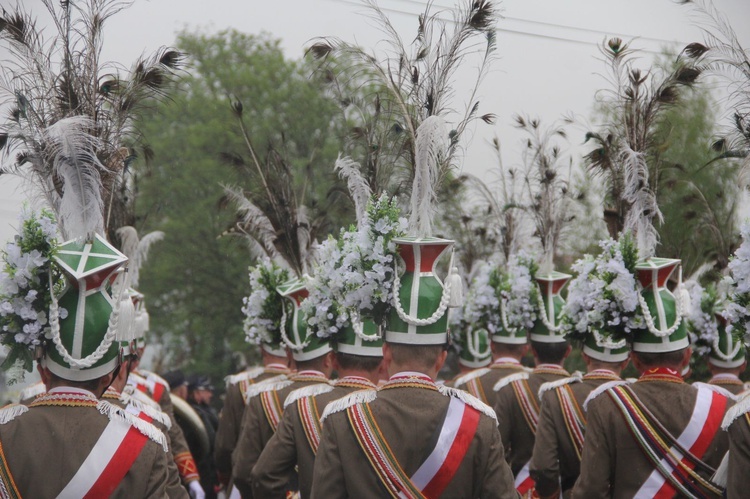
(73, 158)
(136, 249)
(254, 223)
(359, 189)
(644, 208)
(431, 147)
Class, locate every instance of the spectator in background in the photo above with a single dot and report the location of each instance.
(199, 396)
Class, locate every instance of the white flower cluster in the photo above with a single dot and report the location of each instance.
(355, 275)
(702, 325)
(521, 292)
(24, 281)
(482, 306)
(737, 311)
(603, 297)
(262, 308)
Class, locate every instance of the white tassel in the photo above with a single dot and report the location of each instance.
(720, 476)
(259, 388)
(141, 397)
(307, 391)
(741, 407)
(476, 373)
(32, 391)
(126, 319)
(246, 375)
(551, 385)
(154, 413)
(603, 388)
(457, 289)
(11, 412)
(509, 379)
(114, 413)
(354, 398)
(469, 400)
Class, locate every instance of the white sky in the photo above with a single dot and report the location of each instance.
(547, 49)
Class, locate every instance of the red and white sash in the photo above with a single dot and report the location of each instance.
(697, 436)
(523, 481)
(437, 471)
(108, 462)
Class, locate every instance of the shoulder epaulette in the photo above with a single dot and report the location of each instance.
(307, 391)
(354, 398)
(740, 408)
(510, 379)
(715, 388)
(33, 390)
(246, 375)
(603, 388)
(259, 388)
(140, 397)
(477, 373)
(154, 413)
(116, 413)
(11, 412)
(551, 385)
(469, 400)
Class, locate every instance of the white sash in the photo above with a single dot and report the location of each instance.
(434, 461)
(97, 460)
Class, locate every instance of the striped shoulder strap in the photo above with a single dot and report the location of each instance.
(575, 421)
(271, 404)
(527, 401)
(310, 419)
(8, 487)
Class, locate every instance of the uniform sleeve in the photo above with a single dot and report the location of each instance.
(158, 478)
(497, 479)
(275, 466)
(594, 480)
(545, 467)
(184, 460)
(739, 457)
(328, 474)
(228, 432)
(249, 446)
(503, 408)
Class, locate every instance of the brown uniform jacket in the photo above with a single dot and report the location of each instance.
(409, 417)
(45, 447)
(517, 435)
(613, 464)
(481, 382)
(739, 451)
(290, 446)
(555, 463)
(231, 414)
(735, 386)
(256, 430)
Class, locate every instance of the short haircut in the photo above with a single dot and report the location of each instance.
(91, 385)
(315, 364)
(508, 350)
(423, 356)
(352, 362)
(550, 353)
(658, 359)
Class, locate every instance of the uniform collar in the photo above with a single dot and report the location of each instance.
(550, 369)
(506, 360)
(410, 379)
(276, 367)
(601, 374)
(661, 374)
(70, 389)
(355, 382)
(309, 375)
(725, 379)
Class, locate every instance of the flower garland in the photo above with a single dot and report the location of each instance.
(482, 305)
(264, 307)
(737, 311)
(603, 298)
(354, 277)
(520, 293)
(701, 321)
(25, 295)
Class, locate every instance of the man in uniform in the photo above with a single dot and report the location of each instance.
(412, 438)
(508, 348)
(657, 437)
(275, 367)
(556, 460)
(517, 403)
(314, 360)
(474, 353)
(726, 362)
(737, 425)
(67, 442)
(358, 363)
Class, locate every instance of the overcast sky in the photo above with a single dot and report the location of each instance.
(547, 49)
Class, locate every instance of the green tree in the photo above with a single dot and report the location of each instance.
(196, 280)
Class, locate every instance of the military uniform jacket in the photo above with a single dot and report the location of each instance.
(231, 414)
(45, 445)
(737, 424)
(613, 464)
(729, 382)
(158, 390)
(409, 414)
(293, 442)
(481, 382)
(259, 421)
(516, 433)
(556, 462)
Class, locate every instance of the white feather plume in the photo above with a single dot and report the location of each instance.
(359, 189)
(644, 208)
(136, 249)
(431, 146)
(73, 156)
(253, 218)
